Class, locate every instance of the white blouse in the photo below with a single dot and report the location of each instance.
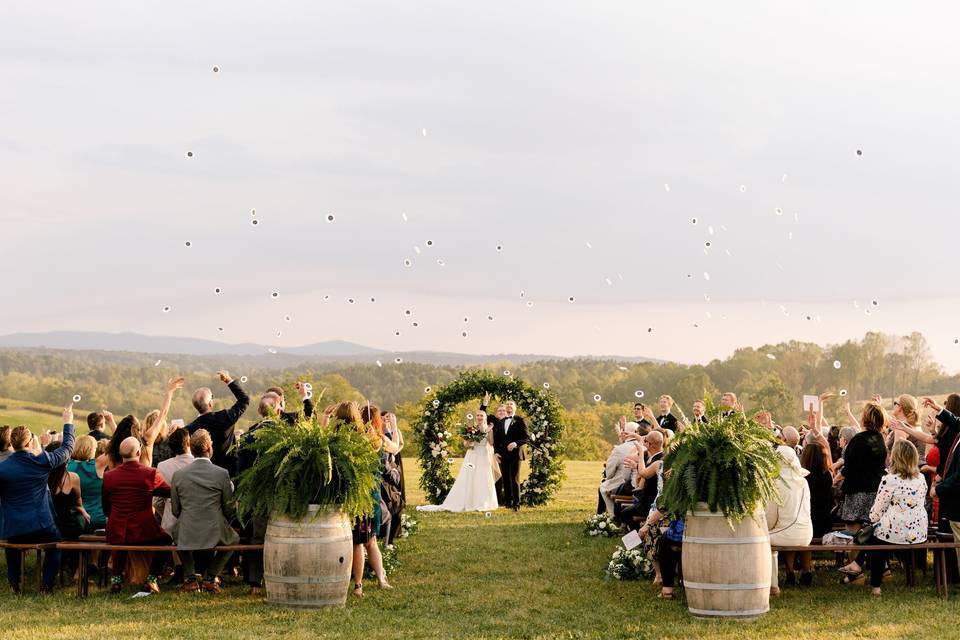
(899, 510)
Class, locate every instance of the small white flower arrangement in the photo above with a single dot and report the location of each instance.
(602, 524)
(408, 526)
(629, 565)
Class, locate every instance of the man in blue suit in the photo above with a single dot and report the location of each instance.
(26, 501)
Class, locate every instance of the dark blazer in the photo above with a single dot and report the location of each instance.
(24, 496)
(128, 492)
(516, 433)
(221, 425)
(864, 463)
(246, 456)
(290, 417)
(667, 421)
(948, 489)
(201, 497)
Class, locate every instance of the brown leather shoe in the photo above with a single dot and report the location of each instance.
(190, 585)
(211, 586)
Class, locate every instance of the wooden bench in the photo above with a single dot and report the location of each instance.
(939, 549)
(25, 548)
(84, 548)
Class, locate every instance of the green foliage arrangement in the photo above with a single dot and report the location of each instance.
(543, 415)
(306, 464)
(728, 462)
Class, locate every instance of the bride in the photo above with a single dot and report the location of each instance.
(474, 488)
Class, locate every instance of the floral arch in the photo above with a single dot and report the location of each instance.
(540, 410)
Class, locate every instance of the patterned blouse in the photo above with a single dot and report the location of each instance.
(899, 510)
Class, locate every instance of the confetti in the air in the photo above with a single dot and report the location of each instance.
(597, 397)
(77, 398)
(639, 393)
(837, 364)
(166, 309)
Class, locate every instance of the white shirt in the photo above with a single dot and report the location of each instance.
(506, 424)
(167, 468)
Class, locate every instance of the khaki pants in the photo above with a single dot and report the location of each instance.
(955, 529)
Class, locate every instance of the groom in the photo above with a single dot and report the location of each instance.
(509, 436)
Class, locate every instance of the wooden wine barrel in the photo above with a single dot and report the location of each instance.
(726, 572)
(306, 563)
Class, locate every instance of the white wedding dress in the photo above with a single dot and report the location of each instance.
(474, 488)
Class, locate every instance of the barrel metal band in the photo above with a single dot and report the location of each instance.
(751, 540)
(277, 540)
(307, 525)
(307, 579)
(716, 586)
(707, 514)
(727, 614)
(309, 604)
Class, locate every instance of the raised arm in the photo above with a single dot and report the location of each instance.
(243, 400)
(150, 435)
(60, 455)
(851, 419)
(920, 434)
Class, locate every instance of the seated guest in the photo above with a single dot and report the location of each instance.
(256, 526)
(947, 488)
(616, 473)
(898, 511)
(128, 492)
(25, 500)
(90, 472)
(645, 480)
(130, 426)
(96, 423)
(820, 485)
(6, 449)
(864, 462)
(290, 417)
(72, 519)
(668, 545)
(666, 419)
(201, 498)
(221, 425)
(179, 442)
(789, 523)
(791, 438)
(905, 413)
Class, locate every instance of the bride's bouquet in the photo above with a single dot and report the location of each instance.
(473, 433)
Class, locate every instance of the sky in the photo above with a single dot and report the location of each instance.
(558, 166)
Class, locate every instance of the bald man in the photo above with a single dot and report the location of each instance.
(128, 492)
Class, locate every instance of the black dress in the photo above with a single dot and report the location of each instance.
(70, 521)
(821, 502)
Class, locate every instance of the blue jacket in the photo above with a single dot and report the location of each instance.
(24, 496)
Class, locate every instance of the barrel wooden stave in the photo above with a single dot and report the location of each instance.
(307, 562)
(726, 572)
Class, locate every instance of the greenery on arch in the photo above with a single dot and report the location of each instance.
(540, 409)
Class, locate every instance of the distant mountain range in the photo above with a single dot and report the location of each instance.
(332, 350)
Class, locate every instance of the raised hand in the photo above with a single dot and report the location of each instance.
(827, 396)
(46, 438)
(173, 384)
(224, 376)
(301, 389)
(877, 398)
(67, 416)
(486, 398)
(930, 403)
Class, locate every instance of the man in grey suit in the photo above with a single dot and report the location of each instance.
(201, 497)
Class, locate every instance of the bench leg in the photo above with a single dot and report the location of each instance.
(39, 571)
(23, 568)
(82, 575)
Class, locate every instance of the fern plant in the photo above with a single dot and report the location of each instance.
(307, 464)
(728, 462)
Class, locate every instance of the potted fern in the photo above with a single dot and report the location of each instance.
(719, 475)
(310, 481)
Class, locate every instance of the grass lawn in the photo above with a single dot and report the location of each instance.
(529, 575)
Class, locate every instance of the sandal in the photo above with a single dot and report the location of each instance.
(847, 570)
(358, 589)
(665, 596)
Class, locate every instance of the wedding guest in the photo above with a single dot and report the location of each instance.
(699, 411)
(666, 419)
(905, 414)
(201, 498)
(221, 425)
(128, 492)
(156, 433)
(729, 404)
(616, 473)
(6, 449)
(71, 518)
(949, 417)
(864, 464)
(820, 485)
(25, 500)
(788, 522)
(290, 417)
(669, 544)
(947, 489)
(90, 471)
(898, 511)
(791, 438)
(365, 529)
(645, 479)
(179, 442)
(255, 529)
(96, 423)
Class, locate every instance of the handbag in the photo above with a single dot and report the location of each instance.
(865, 534)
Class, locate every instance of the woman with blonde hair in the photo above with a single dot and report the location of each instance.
(898, 512)
(906, 416)
(89, 469)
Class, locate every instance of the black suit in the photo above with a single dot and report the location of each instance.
(667, 421)
(221, 426)
(291, 417)
(509, 430)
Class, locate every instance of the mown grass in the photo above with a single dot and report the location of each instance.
(528, 575)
